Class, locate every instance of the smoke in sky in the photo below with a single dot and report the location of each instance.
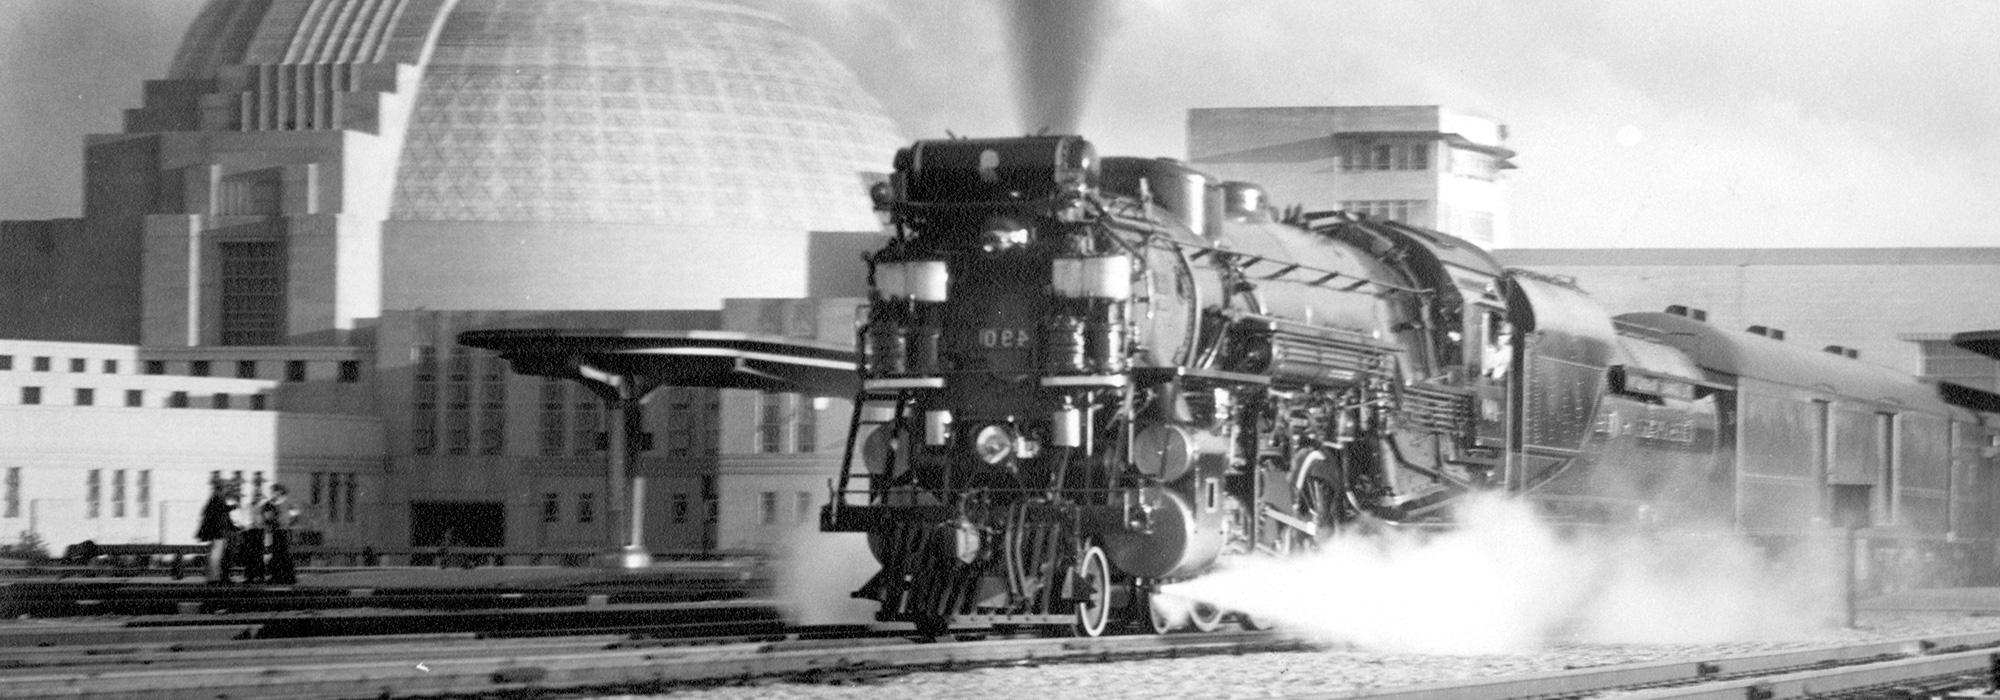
(1504, 581)
(1056, 43)
(1774, 124)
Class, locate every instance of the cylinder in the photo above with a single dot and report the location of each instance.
(1063, 346)
(937, 428)
(888, 349)
(1104, 341)
(922, 349)
(1066, 427)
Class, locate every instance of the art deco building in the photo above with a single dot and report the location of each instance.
(1426, 166)
(320, 193)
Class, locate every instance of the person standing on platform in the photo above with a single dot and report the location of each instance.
(251, 542)
(218, 527)
(277, 516)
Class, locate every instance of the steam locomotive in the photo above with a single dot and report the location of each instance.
(1086, 377)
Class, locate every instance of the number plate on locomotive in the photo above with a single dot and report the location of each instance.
(1005, 338)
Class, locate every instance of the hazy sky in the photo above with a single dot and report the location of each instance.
(1639, 124)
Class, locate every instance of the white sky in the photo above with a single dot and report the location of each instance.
(1690, 123)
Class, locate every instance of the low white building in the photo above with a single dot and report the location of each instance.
(98, 442)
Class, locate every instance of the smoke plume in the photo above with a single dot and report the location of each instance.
(1503, 581)
(1056, 43)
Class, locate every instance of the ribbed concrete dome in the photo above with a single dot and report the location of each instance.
(696, 118)
(636, 112)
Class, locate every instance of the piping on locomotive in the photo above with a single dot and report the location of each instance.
(1085, 377)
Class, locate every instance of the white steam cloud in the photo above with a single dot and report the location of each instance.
(1504, 581)
(813, 574)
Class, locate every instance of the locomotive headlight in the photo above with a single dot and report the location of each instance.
(993, 443)
(1000, 233)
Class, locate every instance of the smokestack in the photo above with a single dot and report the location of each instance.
(1055, 44)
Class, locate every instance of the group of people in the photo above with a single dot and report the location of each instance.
(256, 539)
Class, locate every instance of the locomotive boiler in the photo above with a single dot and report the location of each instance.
(1085, 377)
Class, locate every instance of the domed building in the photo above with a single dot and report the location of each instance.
(322, 193)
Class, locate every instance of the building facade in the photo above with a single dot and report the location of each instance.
(1426, 166)
(113, 444)
(320, 193)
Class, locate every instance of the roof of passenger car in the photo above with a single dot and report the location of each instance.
(1749, 355)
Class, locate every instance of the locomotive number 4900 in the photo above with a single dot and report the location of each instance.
(1004, 338)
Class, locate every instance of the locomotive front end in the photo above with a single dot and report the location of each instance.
(995, 313)
(997, 392)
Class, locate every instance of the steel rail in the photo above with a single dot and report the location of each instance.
(634, 668)
(1732, 677)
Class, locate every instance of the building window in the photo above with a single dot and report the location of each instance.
(118, 493)
(1408, 211)
(31, 395)
(41, 364)
(680, 510)
(7, 362)
(295, 370)
(156, 367)
(492, 440)
(222, 401)
(350, 371)
(13, 492)
(770, 422)
(554, 421)
(1358, 156)
(767, 508)
(586, 507)
(352, 485)
(586, 423)
(423, 405)
(246, 369)
(318, 490)
(79, 365)
(457, 433)
(260, 402)
(333, 496)
(806, 433)
(493, 406)
(145, 496)
(200, 368)
(178, 399)
(93, 493)
(110, 366)
(86, 397)
(135, 398)
(805, 506)
(427, 361)
(551, 507)
(253, 292)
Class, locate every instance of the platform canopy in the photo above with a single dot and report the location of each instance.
(1983, 342)
(719, 359)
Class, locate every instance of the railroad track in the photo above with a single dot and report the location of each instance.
(1903, 668)
(103, 659)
